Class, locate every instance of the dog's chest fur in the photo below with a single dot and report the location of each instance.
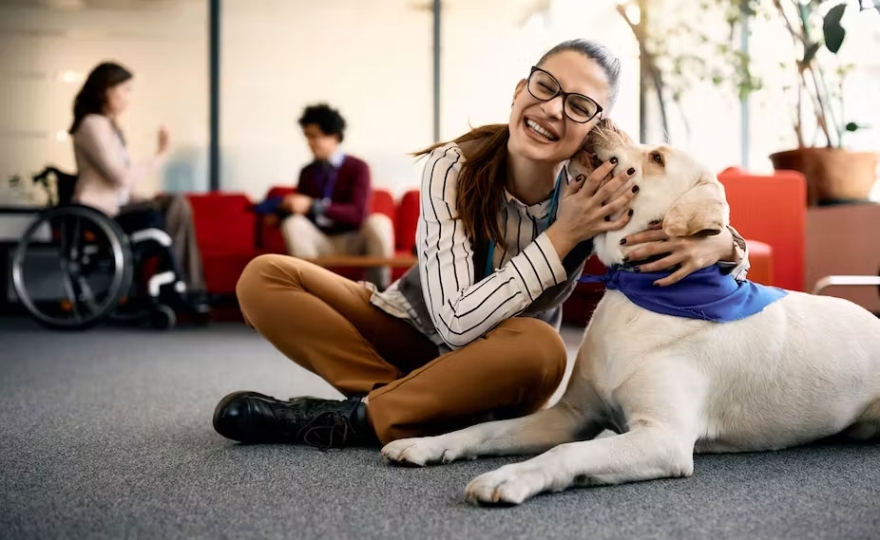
(620, 334)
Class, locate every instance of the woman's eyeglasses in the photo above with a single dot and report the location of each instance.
(577, 107)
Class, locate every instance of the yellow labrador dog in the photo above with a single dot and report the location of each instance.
(800, 369)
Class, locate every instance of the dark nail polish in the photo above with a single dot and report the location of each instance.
(636, 269)
(604, 203)
(626, 259)
(631, 171)
(607, 218)
(613, 160)
(635, 189)
(655, 222)
(623, 241)
(656, 284)
(630, 213)
(580, 177)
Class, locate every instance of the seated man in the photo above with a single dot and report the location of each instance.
(329, 214)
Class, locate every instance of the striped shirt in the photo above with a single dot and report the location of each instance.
(461, 309)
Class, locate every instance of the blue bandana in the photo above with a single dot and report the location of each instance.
(706, 294)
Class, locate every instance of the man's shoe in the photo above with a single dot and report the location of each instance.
(250, 417)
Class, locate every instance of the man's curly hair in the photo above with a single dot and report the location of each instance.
(326, 118)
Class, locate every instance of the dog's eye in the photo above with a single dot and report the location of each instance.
(657, 157)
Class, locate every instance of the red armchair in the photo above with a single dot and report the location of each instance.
(771, 209)
(225, 234)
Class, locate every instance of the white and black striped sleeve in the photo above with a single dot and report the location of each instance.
(740, 271)
(462, 310)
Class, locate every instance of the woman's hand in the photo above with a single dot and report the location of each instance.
(685, 254)
(164, 141)
(586, 209)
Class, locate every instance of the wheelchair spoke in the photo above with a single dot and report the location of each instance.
(68, 286)
(86, 293)
(77, 241)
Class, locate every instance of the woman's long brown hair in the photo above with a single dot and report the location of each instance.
(481, 180)
(484, 173)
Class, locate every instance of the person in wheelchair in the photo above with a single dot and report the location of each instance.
(107, 178)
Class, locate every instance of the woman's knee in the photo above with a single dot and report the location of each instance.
(262, 273)
(540, 350)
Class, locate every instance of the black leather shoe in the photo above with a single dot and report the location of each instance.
(250, 417)
(199, 303)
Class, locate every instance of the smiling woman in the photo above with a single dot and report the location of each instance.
(471, 332)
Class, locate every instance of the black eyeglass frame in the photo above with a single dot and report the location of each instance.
(564, 94)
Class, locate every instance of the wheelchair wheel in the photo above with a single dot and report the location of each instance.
(72, 267)
(162, 317)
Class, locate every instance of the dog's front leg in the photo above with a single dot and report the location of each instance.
(642, 454)
(577, 416)
(662, 405)
(527, 435)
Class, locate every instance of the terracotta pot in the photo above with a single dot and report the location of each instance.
(831, 173)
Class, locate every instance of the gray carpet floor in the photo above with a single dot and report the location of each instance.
(107, 434)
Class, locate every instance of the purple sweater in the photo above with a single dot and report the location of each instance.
(349, 199)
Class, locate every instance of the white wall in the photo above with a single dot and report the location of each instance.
(49, 47)
(370, 59)
(489, 47)
(373, 60)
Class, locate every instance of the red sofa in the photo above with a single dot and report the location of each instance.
(230, 235)
(767, 210)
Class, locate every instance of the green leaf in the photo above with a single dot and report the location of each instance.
(810, 52)
(834, 32)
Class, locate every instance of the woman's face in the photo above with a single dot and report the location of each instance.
(575, 73)
(118, 98)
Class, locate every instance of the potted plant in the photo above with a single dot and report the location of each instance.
(833, 173)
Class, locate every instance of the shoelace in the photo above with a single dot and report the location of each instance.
(322, 432)
(326, 426)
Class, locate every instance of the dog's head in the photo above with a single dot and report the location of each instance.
(673, 188)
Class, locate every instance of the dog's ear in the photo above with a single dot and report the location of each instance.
(607, 127)
(606, 133)
(607, 124)
(702, 209)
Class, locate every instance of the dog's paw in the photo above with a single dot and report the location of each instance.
(420, 451)
(509, 485)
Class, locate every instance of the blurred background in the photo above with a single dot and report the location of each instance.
(754, 88)
(374, 60)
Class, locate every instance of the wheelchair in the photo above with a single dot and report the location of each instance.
(75, 267)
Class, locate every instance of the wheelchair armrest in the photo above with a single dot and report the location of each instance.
(829, 281)
(151, 235)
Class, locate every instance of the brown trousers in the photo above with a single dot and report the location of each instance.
(326, 324)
